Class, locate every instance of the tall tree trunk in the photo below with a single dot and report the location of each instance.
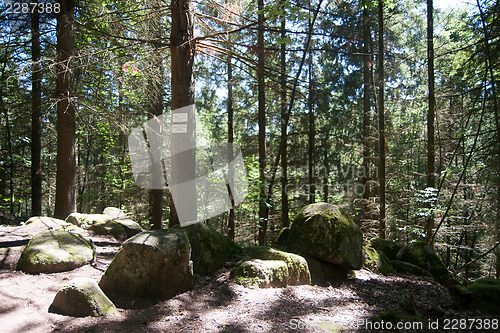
(431, 178)
(381, 118)
(156, 84)
(36, 118)
(489, 68)
(366, 109)
(261, 115)
(182, 84)
(66, 162)
(230, 139)
(311, 129)
(285, 220)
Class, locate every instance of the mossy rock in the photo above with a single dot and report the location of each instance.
(210, 250)
(325, 273)
(82, 297)
(298, 270)
(261, 273)
(50, 223)
(131, 228)
(55, 251)
(282, 238)
(388, 247)
(377, 262)
(486, 295)
(151, 264)
(405, 267)
(422, 255)
(100, 224)
(324, 232)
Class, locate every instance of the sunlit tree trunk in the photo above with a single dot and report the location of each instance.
(66, 162)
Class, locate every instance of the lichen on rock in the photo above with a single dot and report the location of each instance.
(55, 251)
(261, 273)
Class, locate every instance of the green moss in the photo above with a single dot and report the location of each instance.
(377, 261)
(486, 295)
(388, 247)
(405, 267)
(422, 255)
(297, 265)
(324, 232)
(282, 237)
(55, 251)
(261, 273)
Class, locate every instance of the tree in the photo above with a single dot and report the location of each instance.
(285, 219)
(431, 179)
(36, 118)
(66, 126)
(261, 115)
(182, 49)
(381, 118)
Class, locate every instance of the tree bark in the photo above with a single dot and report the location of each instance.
(366, 109)
(36, 118)
(311, 129)
(381, 119)
(431, 178)
(285, 220)
(261, 115)
(230, 139)
(155, 108)
(66, 162)
(182, 48)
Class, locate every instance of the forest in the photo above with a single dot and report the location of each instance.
(387, 109)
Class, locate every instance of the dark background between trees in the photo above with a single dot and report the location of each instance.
(296, 84)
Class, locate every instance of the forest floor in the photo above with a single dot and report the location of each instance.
(217, 304)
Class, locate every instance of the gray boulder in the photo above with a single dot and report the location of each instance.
(151, 264)
(82, 297)
(55, 251)
(209, 249)
(324, 232)
(103, 224)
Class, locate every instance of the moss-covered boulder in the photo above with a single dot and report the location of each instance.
(131, 228)
(82, 297)
(55, 251)
(486, 295)
(324, 232)
(325, 273)
(151, 264)
(407, 268)
(298, 270)
(39, 223)
(103, 224)
(422, 255)
(377, 262)
(209, 248)
(388, 247)
(261, 273)
(282, 238)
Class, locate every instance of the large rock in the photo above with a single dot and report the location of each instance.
(261, 273)
(104, 224)
(298, 270)
(388, 247)
(422, 255)
(82, 297)
(486, 295)
(151, 264)
(377, 261)
(324, 232)
(209, 249)
(325, 273)
(131, 228)
(55, 251)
